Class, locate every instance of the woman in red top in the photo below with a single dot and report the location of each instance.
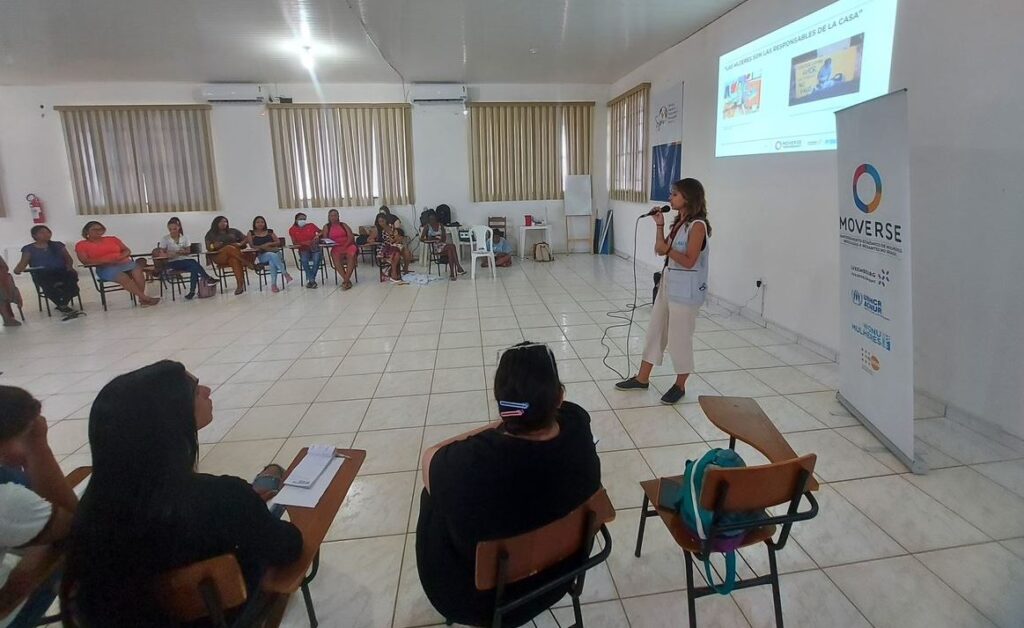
(306, 236)
(344, 253)
(113, 261)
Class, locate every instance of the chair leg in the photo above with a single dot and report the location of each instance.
(643, 524)
(776, 595)
(577, 612)
(691, 601)
(103, 298)
(472, 270)
(310, 611)
(494, 267)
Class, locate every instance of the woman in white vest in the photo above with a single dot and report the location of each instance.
(683, 288)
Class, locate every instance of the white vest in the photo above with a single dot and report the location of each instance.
(688, 286)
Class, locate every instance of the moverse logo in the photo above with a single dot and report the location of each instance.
(871, 171)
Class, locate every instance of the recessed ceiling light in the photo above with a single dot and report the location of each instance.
(533, 51)
(306, 56)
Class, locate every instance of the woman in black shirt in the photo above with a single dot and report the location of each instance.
(147, 511)
(534, 466)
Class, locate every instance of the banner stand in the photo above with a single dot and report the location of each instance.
(916, 465)
(876, 323)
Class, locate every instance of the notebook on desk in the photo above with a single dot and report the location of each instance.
(316, 461)
(308, 496)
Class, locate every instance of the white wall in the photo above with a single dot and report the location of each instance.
(33, 158)
(774, 216)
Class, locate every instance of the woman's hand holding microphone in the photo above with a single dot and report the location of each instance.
(659, 217)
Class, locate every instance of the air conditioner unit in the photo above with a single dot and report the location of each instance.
(438, 94)
(233, 92)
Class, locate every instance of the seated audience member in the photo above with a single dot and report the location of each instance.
(436, 236)
(306, 236)
(264, 240)
(390, 251)
(36, 505)
(9, 295)
(534, 466)
(52, 269)
(396, 222)
(226, 243)
(502, 250)
(344, 253)
(113, 261)
(147, 511)
(176, 248)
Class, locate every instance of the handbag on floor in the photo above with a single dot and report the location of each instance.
(206, 290)
(542, 252)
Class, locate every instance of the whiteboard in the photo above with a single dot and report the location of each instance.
(577, 195)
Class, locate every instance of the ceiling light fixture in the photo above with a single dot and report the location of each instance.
(306, 56)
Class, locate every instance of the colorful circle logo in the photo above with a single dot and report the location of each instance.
(871, 171)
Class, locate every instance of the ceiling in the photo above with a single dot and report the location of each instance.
(472, 41)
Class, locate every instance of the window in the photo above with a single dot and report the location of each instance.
(140, 159)
(628, 151)
(342, 155)
(521, 151)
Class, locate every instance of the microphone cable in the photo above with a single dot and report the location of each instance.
(625, 314)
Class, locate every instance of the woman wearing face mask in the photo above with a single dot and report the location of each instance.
(683, 289)
(176, 247)
(344, 253)
(306, 236)
(226, 243)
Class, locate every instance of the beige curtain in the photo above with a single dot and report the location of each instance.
(578, 121)
(628, 146)
(517, 149)
(342, 155)
(140, 159)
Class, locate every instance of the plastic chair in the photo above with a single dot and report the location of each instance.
(481, 240)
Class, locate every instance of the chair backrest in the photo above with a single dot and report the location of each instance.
(481, 238)
(195, 248)
(183, 591)
(533, 552)
(498, 222)
(756, 488)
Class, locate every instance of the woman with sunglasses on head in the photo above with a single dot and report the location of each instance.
(147, 511)
(532, 467)
(683, 288)
(176, 250)
(226, 244)
(263, 239)
(113, 261)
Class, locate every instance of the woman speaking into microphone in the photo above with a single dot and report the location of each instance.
(683, 288)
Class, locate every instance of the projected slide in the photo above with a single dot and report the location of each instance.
(778, 93)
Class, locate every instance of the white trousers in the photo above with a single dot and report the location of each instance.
(671, 326)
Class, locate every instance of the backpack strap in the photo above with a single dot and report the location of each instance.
(729, 583)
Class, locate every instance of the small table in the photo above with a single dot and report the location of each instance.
(522, 236)
(280, 582)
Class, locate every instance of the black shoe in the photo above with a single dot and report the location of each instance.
(632, 384)
(672, 395)
(190, 296)
(64, 309)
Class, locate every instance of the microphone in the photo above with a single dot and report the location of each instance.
(663, 210)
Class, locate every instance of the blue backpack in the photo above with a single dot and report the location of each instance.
(698, 519)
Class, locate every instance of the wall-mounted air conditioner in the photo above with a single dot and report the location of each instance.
(438, 94)
(233, 92)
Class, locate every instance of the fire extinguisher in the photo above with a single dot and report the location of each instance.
(36, 205)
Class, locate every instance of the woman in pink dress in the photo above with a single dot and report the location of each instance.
(345, 253)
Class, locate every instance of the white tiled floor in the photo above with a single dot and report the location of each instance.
(393, 369)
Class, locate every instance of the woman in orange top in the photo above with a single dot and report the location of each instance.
(306, 236)
(344, 250)
(226, 244)
(113, 261)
